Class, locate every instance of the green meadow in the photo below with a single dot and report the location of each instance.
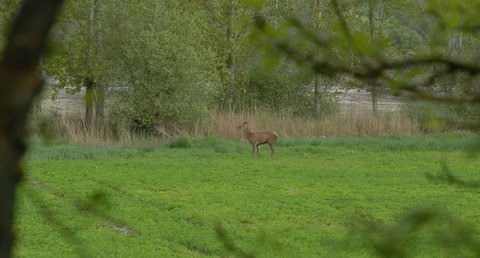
(209, 198)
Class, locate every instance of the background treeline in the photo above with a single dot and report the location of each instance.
(171, 65)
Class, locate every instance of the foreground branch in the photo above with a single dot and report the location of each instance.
(375, 68)
(19, 84)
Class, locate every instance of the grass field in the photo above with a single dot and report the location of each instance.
(174, 200)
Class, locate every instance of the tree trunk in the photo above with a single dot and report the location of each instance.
(37, 104)
(317, 97)
(93, 94)
(317, 101)
(89, 94)
(371, 17)
(19, 84)
(99, 102)
(98, 87)
(374, 85)
(232, 67)
(374, 91)
(277, 15)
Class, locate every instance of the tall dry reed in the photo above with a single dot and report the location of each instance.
(74, 129)
(343, 124)
(223, 124)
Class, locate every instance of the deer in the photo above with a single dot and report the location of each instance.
(258, 138)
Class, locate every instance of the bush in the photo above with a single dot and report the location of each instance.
(169, 82)
(181, 143)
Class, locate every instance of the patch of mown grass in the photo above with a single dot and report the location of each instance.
(169, 202)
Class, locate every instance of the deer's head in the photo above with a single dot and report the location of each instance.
(243, 125)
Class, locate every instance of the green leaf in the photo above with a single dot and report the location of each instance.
(255, 4)
(271, 62)
(363, 44)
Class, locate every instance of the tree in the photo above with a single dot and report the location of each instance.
(161, 64)
(319, 21)
(19, 84)
(77, 59)
(228, 30)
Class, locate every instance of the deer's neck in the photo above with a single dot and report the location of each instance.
(246, 132)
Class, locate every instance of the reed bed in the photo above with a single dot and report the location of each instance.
(73, 128)
(345, 124)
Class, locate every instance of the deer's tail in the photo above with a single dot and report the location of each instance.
(276, 135)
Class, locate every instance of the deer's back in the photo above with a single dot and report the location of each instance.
(262, 137)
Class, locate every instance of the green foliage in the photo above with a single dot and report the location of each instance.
(171, 61)
(398, 240)
(284, 88)
(75, 52)
(314, 199)
(453, 15)
(8, 9)
(181, 142)
(165, 72)
(442, 117)
(256, 4)
(370, 37)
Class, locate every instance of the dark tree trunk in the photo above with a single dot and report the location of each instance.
(317, 97)
(19, 84)
(374, 91)
(99, 102)
(37, 104)
(374, 84)
(89, 94)
(94, 93)
(98, 43)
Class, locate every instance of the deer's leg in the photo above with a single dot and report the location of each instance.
(258, 152)
(272, 148)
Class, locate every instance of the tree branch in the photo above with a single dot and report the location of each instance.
(19, 83)
(412, 88)
(373, 67)
(343, 23)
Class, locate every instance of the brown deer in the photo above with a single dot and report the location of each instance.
(258, 138)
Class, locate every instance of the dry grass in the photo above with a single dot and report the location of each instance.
(345, 124)
(74, 129)
(223, 124)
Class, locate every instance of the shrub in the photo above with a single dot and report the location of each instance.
(181, 143)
